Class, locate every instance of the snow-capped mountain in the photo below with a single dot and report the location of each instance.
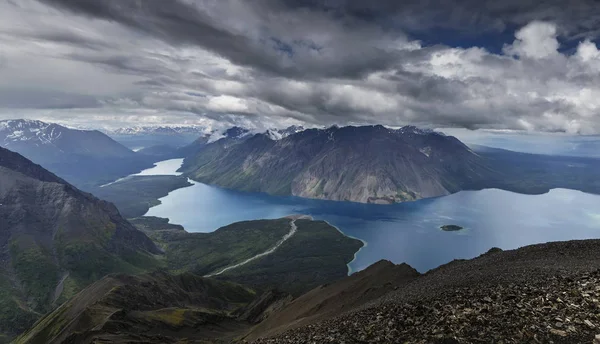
(79, 156)
(148, 136)
(38, 132)
(278, 134)
(159, 130)
(41, 141)
(411, 129)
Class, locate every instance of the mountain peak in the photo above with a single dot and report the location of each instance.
(236, 132)
(411, 129)
(278, 134)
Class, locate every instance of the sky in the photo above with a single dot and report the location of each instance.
(513, 65)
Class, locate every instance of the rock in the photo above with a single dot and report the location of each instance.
(524, 312)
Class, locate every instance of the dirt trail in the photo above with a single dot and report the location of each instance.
(60, 286)
(269, 251)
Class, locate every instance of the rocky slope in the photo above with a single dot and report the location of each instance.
(370, 164)
(539, 294)
(333, 299)
(55, 240)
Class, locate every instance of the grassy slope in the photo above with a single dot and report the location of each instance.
(38, 266)
(205, 253)
(316, 254)
(140, 305)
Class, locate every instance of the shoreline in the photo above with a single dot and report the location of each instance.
(309, 217)
(365, 244)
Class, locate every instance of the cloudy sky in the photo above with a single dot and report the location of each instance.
(474, 64)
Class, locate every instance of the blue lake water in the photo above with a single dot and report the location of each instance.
(406, 232)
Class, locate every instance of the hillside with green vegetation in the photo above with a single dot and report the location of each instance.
(55, 241)
(163, 307)
(135, 195)
(316, 253)
(206, 253)
(149, 308)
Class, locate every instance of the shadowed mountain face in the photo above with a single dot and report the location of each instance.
(48, 142)
(54, 240)
(81, 156)
(371, 164)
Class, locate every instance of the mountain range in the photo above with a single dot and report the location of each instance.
(159, 130)
(83, 157)
(98, 277)
(147, 136)
(47, 143)
(375, 164)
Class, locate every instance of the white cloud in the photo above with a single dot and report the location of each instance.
(536, 40)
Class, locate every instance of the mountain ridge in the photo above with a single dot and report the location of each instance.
(369, 164)
(84, 157)
(376, 164)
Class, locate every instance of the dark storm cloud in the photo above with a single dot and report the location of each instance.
(279, 62)
(178, 22)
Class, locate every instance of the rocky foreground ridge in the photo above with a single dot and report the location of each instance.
(547, 293)
(562, 310)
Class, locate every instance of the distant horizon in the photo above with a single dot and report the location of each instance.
(225, 126)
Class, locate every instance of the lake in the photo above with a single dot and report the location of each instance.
(406, 232)
(166, 167)
(161, 168)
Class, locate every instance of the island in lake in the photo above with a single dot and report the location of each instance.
(451, 228)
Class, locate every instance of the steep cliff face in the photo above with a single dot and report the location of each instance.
(370, 164)
(54, 240)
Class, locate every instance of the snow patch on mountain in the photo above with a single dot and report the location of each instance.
(159, 130)
(28, 130)
(278, 134)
